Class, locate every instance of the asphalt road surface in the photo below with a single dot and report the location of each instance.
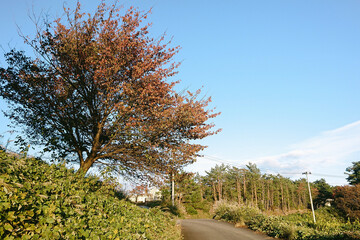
(208, 229)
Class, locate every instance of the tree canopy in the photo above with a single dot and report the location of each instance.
(347, 200)
(354, 173)
(247, 187)
(324, 192)
(100, 90)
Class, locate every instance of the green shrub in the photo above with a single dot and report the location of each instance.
(167, 207)
(234, 213)
(204, 206)
(41, 201)
(190, 209)
(329, 223)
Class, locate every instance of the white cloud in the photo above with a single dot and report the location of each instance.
(326, 156)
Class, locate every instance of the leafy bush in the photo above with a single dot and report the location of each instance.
(41, 201)
(190, 209)
(329, 223)
(347, 200)
(175, 210)
(204, 205)
(234, 213)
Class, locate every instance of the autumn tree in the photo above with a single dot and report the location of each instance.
(139, 190)
(347, 200)
(99, 89)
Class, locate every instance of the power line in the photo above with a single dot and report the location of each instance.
(328, 175)
(219, 160)
(315, 174)
(216, 159)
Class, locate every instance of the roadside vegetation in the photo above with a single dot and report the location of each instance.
(42, 201)
(329, 223)
(272, 204)
(195, 194)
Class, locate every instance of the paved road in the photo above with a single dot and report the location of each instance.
(208, 229)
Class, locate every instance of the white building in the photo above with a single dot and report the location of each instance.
(153, 194)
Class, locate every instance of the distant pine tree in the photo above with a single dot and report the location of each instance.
(354, 173)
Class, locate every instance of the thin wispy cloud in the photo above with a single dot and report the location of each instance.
(326, 156)
(328, 153)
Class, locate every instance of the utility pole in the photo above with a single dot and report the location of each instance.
(312, 205)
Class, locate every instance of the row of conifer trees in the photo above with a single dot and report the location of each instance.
(250, 187)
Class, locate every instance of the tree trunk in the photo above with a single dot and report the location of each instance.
(244, 182)
(255, 194)
(282, 197)
(86, 165)
(268, 196)
(288, 197)
(214, 191)
(252, 194)
(238, 190)
(179, 199)
(219, 189)
(263, 193)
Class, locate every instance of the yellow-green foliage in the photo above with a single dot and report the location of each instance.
(329, 225)
(235, 213)
(41, 201)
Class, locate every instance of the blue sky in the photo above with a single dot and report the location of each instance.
(284, 74)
